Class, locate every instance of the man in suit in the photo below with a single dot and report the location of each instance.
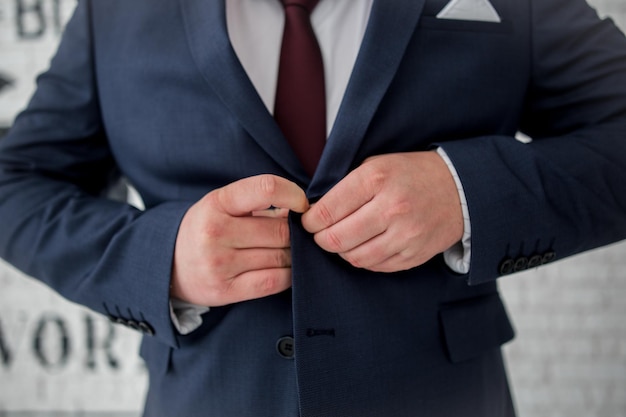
(365, 286)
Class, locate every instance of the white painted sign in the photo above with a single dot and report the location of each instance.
(56, 358)
(29, 33)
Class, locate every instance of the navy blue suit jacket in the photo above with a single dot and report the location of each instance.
(152, 90)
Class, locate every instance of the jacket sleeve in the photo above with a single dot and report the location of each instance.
(565, 191)
(55, 165)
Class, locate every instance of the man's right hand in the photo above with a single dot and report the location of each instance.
(230, 248)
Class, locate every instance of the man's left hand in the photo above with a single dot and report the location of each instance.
(392, 213)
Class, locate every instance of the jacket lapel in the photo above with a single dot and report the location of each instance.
(388, 33)
(205, 24)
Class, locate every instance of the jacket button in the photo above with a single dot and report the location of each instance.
(285, 347)
(507, 266)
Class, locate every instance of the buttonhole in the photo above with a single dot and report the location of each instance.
(320, 332)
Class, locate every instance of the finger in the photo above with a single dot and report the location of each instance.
(248, 260)
(394, 263)
(353, 231)
(256, 284)
(373, 252)
(258, 193)
(272, 212)
(389, 252)
(400, 261)
(256, 232)
(345, 198)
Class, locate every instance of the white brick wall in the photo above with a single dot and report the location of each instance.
(24, 55)
(569, 358)
(58, 356)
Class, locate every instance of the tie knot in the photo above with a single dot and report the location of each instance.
(309, 5)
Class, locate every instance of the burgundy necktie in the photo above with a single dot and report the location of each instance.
(300, 108)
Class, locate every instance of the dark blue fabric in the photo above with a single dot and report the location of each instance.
(152, 90)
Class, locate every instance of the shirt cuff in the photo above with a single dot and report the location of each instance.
(186, 317)
(458, 256)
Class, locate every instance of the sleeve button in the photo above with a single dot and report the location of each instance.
(146, 328)
(507, 266)
(548, 257)
(535, 261)
(521, 264)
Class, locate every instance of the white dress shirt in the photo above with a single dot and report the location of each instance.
(255, 28)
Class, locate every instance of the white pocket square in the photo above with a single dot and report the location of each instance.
(477, 10)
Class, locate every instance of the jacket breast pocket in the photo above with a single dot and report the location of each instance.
(472, 327)
(434, 23)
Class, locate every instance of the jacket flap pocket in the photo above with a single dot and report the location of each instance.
(473, 326)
